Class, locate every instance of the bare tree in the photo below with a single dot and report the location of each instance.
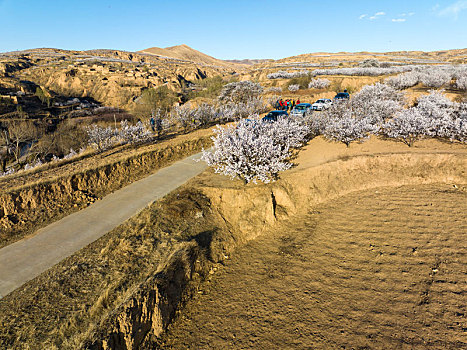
(21, 135)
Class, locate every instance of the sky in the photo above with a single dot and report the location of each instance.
(235, 29)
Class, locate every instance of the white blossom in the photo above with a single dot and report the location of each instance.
(376, 102)
(435, 78)
(101, 138)
(461, 82)
(193, 117)
(255, 150)
(288, 75)
(240, 92)
(319, 83)
(36, 164)
(70, 154)
(404, 80)
(348, 129)
(407, 126)
(294, 87)
(133, 134)
(368, 71)
(8, 172)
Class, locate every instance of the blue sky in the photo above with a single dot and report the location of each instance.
(235, 28)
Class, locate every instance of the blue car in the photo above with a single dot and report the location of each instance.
(272, 116)
(342, 96)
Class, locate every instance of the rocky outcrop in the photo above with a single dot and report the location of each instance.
(112, 77)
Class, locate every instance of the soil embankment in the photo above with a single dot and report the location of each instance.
(380, 269)
(123, 291)
(32, 200)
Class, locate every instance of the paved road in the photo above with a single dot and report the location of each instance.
(26, 259)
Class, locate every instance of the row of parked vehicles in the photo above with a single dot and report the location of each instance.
(303, 108)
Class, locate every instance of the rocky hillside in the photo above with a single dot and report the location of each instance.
(327, 59)
(113, 78)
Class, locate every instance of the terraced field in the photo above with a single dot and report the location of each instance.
(380, 269)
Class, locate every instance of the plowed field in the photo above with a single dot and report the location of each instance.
(384, 269)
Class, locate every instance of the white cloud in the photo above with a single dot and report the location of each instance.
(453, 10)
(406, 14)
(398, 20)
(362, 16)
(375, 16)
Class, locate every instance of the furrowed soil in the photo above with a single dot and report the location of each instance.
(376, 269)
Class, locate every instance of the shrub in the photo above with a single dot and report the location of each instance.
(68, 135)
(370, 62)
(44, 96)
(435, 78)
(302, 82)
(294, 87)
(376, 102)
(210, 88)
(319, 84)
(240, 92)
(404, 80)
(461, 82)
(288, 75)
(255, 150)
(155, 98)
(407, 126)
(347, 129)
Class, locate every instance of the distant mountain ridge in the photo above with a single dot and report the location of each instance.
(184, 52)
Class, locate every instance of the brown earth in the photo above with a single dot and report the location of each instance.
(111, 77)
(123, 290)
(184, 52)
(31, 200)
(378, 269)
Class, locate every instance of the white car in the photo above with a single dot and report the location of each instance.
(301, 109)
(322, 103)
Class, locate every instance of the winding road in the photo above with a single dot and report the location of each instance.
(26, 259)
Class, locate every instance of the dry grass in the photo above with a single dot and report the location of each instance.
(85, 298)
(33, 200)
(63, 306)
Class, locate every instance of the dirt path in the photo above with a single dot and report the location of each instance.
(382, 269)
(26, 259)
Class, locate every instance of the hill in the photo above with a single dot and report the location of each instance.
(454, 56)
(186, 53)
(111, 77)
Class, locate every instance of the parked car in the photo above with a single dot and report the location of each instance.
(301, 109)
(273, 115)
(341, 96)
(322, 103)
